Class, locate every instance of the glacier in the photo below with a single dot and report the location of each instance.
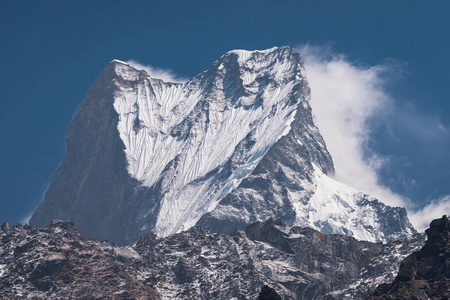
(234, 145)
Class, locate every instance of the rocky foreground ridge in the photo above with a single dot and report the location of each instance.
(424, 274)
(298, 263)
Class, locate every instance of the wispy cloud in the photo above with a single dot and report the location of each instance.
(424, 129)
(421, 219)
(166, 75)
(347, 99)
(344, 97)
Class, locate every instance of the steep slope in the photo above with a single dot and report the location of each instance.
(234, 145)
(92, 186)
(298, 263)
(424, 274)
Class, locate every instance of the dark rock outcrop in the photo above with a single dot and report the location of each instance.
(268, 293)
(5, 226)
(336, 259)
(424, 274)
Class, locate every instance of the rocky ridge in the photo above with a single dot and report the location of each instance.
(424, 274)
(298, 263)
(57, 263)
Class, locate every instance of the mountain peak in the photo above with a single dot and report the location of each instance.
(251, 61)
(116, 61)
(234, 145)
(123, 73)
(248, 53)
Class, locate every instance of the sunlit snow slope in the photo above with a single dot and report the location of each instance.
(235, 144)
(195, 128)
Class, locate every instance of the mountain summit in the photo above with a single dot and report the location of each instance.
(234, 145)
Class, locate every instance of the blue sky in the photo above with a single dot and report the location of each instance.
(395, 52)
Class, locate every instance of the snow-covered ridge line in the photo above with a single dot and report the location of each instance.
(338, 208)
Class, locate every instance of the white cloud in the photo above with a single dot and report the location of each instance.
(344, 97)
(166, 75)
(436, 209)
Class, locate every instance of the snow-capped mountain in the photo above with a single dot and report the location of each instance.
(234, 145)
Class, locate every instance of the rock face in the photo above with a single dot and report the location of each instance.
(344, 267)
(424, 274)
(297, 263)
(234, 145)
(57, 263)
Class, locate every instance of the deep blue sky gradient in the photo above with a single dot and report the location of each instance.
(52, 51)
